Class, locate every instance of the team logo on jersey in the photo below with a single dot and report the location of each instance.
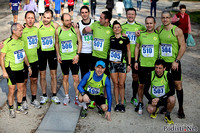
(136, 29)
(120, 42)
(108, 32)
(51, 29)
(162, 81)
(169, 36)
(70, 34)
(155, 38)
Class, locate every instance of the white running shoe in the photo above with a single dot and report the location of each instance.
(20, 110)
(77, 102)
(44, 100)
(25, 105)
(12, 113)
(66, 100)
(55, 100)
(35, 104)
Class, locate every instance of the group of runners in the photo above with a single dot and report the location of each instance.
(101, 50)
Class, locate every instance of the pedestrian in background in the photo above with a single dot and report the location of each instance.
(41, 10)
(153, 7)
(31, 6)
(14, 5)
(110, 5)
(93, 8)
(139, 5)
(119, 7)
(128, 4)
(183, 20)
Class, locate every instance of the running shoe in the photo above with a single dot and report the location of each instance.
(122, 108)
(154, 115)
(20, 110)
(44, 100)
(12, 113)
(77, 102)
(181, 114)
(25, 105)
(134, 101)
(92, 105)
(66, 100)
(83, 113)
(168, 120)
(117, 108)
(35, 104)
(55, 100)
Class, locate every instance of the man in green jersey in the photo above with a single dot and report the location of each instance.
(129, 28)
(68, 54)
(102, 31)
(172, 49)
(162, 91)
(148, 45)
(30, 39)
(12, 64)
(47, 52)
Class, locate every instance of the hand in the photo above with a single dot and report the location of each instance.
(128, 69)
(175, 66)
(1, 44)
(75, 25)
(75, 59)
(123, 34)
(155, 101)
(29, 71)
(177, 19)
(137, 33)
(5, 75)
(136, 66)
(86, 98)
(59, 59)
(108, 116)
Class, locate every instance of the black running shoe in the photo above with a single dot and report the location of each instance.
(181, 114)
(122, 108)
(117, 108)
(83, 113)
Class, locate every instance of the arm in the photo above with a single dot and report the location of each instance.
(158, 28)
(76, 58)
(129, 57)
(86, 30)
(182, 47)
(137, 48)
(28, 65)
(83, 82)
(57, 47)
(189, 25)
(56, 25)
(109, 97)
(174, 19)
(5, 74)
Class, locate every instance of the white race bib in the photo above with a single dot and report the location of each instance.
(158, 91)
(67, 46)
(98, 44)
(93, 90)
(32, 41)
(132, 37)
(148, 50)
(19, 56)
(87, 38)
(115, 55)
(47, 42)
(166, 49)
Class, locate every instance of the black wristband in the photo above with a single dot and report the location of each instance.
(78, 54)
(129, 65)
(177, 61)
(83, 93)
(29, 66)
(136, 61)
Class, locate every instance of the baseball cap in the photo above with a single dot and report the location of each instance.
(100, 63)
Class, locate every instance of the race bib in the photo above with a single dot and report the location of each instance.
(32, 41)
(132, 37)
(87, 37)
(98, 44)
(93, 90)
(166, 49)
(115, 55)
(19, 56)
(67, 46)
(158, 91)
(148, 50)
(47, 42)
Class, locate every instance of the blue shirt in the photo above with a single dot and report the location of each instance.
(97, 79)
(15, 4)
(58, 4)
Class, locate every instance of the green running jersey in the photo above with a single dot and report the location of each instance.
(67, 43)
(15, 54)
(93, 87)
(30, 38)
(47, 37)
(149, 48)
(159, 86)
(101, 39)
(169, 44)
(129, 30)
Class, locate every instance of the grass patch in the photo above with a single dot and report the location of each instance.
(194, 16)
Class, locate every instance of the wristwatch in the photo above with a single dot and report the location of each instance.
(177, 61)
(83, 93)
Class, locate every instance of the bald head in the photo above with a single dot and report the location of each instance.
(66, 19)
